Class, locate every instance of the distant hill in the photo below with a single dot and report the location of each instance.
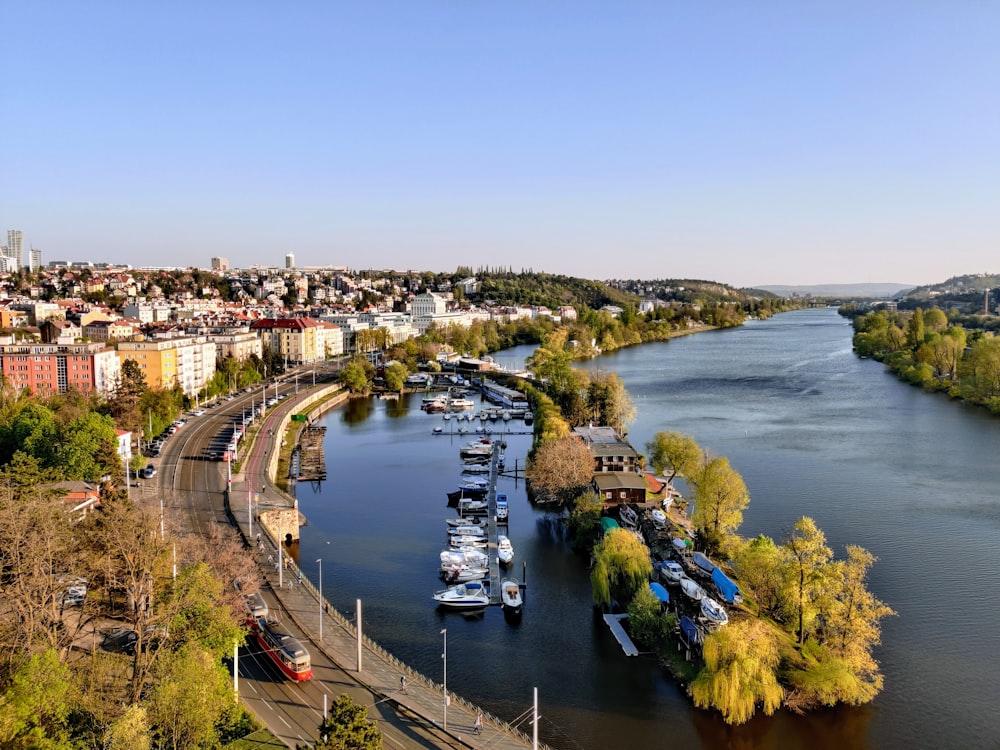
(875, 291)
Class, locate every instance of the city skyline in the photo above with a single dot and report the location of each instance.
(773, 144)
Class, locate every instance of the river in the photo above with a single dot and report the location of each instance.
(813, 430)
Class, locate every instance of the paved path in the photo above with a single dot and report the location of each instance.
(380, 672)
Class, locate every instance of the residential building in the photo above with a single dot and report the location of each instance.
(109, 330)
(238, 344)
(428, 304)
(331, 342)
(56, 368)
(220, 264)
(15, 248)
(294, 339)
(290, 260)
(188, 362)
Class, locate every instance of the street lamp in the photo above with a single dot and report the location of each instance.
(319, 562)
(444, 684)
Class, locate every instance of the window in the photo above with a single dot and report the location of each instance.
(622, 494)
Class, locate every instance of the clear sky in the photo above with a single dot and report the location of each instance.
(750, 143)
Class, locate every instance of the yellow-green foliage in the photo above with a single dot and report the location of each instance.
(740, 673)
(621, 566)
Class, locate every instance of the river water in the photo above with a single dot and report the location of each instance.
(812, 429)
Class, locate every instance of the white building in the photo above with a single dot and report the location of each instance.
(290, 260)
(428, 304)
(15, 247)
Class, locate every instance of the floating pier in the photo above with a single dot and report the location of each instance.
(614, 622)
(312, 461)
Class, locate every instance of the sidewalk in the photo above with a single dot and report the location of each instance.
(380, 671)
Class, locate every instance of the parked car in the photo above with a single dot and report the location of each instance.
(149, 472)
(75, 592)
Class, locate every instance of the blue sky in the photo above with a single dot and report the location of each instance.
(749, 143)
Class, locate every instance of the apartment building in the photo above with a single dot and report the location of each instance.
(188, 362)
(57, 368)
(297, 340)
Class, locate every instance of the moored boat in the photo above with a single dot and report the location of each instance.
(502, 508)
(467, 595)
(505, 550)
(462, 573)
(671, 572)
(659, 517)
(510, 596)
(472, 505)
(464, 556)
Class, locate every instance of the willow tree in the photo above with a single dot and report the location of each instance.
(740, 673)
(759, 564)
(621, 567)
(676, 452)
(720, 496)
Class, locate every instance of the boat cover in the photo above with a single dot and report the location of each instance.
(607, 524)
(660, 592)
(728, 590)
(690, 631)
(703, 562)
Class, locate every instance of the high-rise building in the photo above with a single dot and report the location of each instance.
(290, 260)
(220, 264)
(15, 246)
(35, 263)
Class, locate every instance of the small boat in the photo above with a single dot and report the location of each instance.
(438, 430)
(463, 573)
(458, 404)
(671, 572)
(510, 596)
(475, 469)
(660, 593)
(468, 529)
(528, 417)
(455, 498)
(502, 508)
(464, 556)
(714, 611)
(505, 550)
(472, 505)
(482, 447)
(629, 517)
(467, 540)
(467, 595)
(692, 589)
(659, 517)
(681, 545)
(705, 566)
(474, 521)
(447, 417)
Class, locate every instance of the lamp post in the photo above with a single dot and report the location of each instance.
(319, 562)
(444, 683)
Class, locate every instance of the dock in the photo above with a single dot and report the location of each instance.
(312, 461)
(493, 525)
(614, 622)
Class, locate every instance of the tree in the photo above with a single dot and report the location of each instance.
(610, 402)
(808, 556)
(721, 496)
(621, 567)
(759, 564)
(740, 672)
(128, 393)
(915, 329)
(130, 731)
(561, 468)
(347, 727)
(647, 621)
(674, 451)
(935, 321)
(191, 691)
(852, 624)
(357, 375)
(584, 521)
(34, 708)
(89, 448)
(395, 376)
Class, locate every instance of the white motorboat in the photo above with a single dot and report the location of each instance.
(505, 550)
(473, 521)
(470, 505)
(468, 529)
(463, 573)
(659, 517)
(510, 596)
(671, 572)
(714, 611)
(459, 404)
(475, 468)
(528, 417)
(482, 447)
(467, 540)
(464, 556)
(502, 509)
(438, 430)
(692, 589)
(467, 595)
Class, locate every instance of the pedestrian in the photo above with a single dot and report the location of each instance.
(270, 559)
(479, 723)
(402, 683)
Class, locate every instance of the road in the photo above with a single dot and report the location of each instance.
(191, 486)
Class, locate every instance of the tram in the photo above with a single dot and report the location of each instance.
(286, 651)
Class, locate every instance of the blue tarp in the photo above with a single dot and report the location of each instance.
(729, 591)
(660, 592)
(690, 631)
(607, 524)
(703, 562)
